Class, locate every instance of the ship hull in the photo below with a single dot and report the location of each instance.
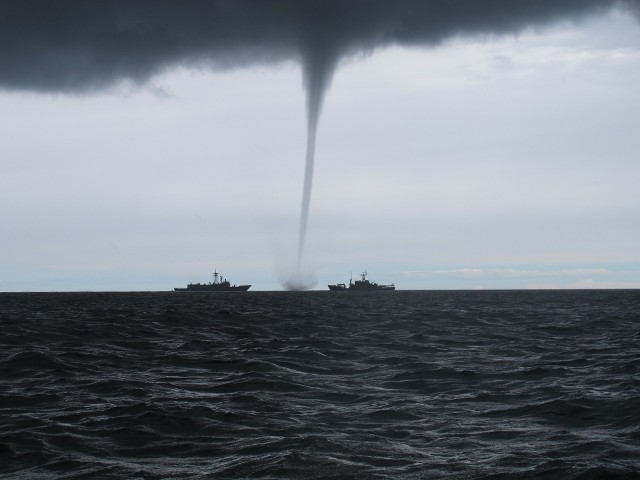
(373, 289)
(213, 288)
(339, 288)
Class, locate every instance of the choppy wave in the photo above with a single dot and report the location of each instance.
(491, 385)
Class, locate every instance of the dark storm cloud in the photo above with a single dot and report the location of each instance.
(82, 45)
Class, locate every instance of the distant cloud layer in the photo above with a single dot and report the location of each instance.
(83, 45)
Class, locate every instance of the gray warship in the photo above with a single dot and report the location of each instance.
(219, 284)
(360, 285)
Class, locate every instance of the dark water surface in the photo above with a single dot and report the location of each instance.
(319, 385)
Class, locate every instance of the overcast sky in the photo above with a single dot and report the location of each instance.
(479, 158)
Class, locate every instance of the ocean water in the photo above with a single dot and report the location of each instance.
(321, 385)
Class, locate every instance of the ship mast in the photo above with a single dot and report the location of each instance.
(215, 276)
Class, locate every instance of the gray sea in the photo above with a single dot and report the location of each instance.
(321, 385)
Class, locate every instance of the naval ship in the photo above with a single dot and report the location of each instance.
(219, 284)
(360, 285)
